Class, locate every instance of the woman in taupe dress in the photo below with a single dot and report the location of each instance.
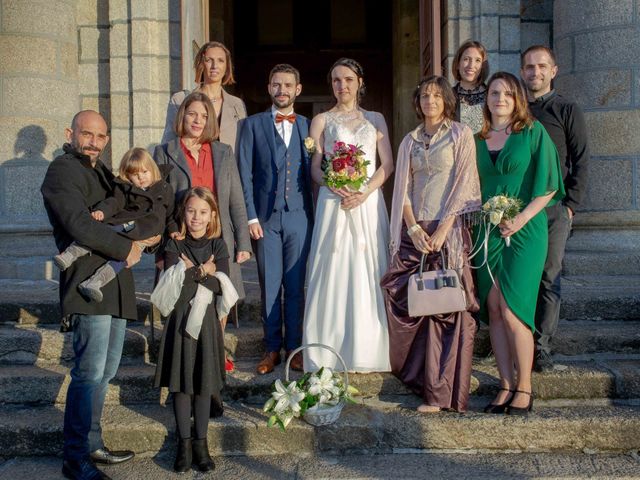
(436, 187)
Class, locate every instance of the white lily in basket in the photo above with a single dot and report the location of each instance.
(325, 386)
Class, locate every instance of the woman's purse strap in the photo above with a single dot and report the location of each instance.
(424, 256)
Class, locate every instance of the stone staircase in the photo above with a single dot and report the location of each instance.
(590, 402)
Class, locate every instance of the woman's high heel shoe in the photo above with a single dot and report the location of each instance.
(521, 411)
(500, 408)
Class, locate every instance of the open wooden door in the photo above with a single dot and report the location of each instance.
(431, 51)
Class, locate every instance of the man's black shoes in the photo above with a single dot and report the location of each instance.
(109, 457)
(82, 470)
(543, 362)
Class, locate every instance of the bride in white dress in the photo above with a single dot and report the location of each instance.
(344, 304)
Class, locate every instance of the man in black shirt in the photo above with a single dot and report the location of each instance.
(565, 124)
(75, 181)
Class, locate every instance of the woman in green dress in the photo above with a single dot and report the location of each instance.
(517, 158)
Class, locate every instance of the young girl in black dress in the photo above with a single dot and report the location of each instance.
(193, 369)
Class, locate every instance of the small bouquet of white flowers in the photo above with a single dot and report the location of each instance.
(318, 397)
(499, 208)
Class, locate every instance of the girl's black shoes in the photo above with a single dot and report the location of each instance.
(500, 408)
(201, 457)
(521, 411)
(183, 456)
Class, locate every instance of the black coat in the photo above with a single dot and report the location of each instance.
(71, 187)
(184, 364)
(150, 209)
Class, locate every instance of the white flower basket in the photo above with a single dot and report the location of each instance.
(321, 414)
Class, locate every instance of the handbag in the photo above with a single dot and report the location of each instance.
(435, 292)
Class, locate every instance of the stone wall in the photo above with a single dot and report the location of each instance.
(132, 63)
(38, 96)
(597, 44)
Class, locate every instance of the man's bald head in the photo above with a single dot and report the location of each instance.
(88, 134)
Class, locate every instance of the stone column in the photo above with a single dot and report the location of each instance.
(596, 43)
(144, 69)
(38, 97)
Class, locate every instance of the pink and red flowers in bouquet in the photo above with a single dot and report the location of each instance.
(346, 166)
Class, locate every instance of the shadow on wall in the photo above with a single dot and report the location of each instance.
(21, 177)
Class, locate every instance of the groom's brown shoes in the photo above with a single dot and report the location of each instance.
(268, 363)
(296, 361)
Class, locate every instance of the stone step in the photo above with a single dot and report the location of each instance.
(374, 426)
(585, 297)
(601, 297)
(402, 464)
(597, 378)
(37, 345)
(573, 337)
(44, 345)
(588, 262)
(27, 268)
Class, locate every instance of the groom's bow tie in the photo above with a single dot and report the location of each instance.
(291, 118)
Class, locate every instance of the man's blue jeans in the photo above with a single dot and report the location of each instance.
(97, 345)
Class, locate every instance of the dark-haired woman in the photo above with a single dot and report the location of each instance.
(199, 160)
(517, 158)
(436, 187)
(470, 68)
(214, 70)
(344, 304)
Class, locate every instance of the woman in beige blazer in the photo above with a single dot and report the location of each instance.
(214, 70)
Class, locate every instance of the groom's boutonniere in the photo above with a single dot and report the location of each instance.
(310, 145)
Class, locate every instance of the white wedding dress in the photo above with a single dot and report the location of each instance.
(344, 305)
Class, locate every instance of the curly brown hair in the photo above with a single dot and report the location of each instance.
(448, 96)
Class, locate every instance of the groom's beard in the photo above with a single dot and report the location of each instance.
(284, 103)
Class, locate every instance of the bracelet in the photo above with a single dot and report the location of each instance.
(413, 229)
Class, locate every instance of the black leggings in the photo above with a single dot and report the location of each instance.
(182, 410)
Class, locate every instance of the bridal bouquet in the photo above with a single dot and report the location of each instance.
(499, 208)
(313, 391)
(345, 167)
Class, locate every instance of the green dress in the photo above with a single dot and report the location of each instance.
(526, 167)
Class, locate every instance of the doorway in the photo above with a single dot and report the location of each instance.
(311, 36)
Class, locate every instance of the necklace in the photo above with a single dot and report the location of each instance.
(215, 100)
(504, 129)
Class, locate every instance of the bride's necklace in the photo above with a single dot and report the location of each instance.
(344, 111)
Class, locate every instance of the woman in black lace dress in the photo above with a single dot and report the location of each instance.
(470, 68)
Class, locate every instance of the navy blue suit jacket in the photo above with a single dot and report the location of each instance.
(257, 163)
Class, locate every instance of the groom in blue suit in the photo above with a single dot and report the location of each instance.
(275, 171)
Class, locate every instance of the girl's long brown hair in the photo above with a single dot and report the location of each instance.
(521, 116)
(214, 228)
